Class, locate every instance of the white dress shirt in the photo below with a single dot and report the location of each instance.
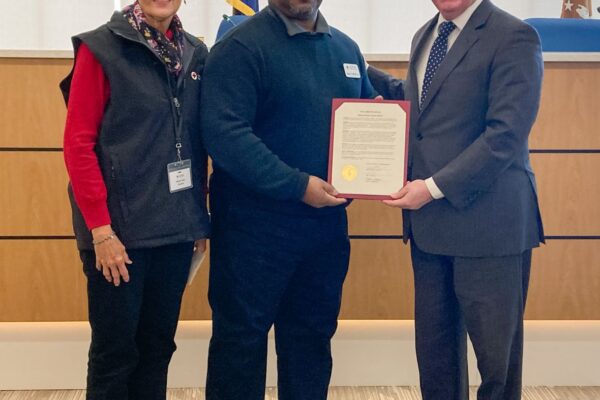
(421, 66)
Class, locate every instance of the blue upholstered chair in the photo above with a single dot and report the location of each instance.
(228, 23)
(568, 35)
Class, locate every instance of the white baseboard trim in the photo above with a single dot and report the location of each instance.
(366, 353)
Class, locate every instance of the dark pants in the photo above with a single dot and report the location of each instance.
(133, 326)
(484, 297)
(269, 269)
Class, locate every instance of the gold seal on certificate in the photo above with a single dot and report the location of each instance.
(368, 149)
(349, 173)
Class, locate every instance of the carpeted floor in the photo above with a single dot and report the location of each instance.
(338, 393)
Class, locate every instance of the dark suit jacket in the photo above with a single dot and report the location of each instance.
(472, 136)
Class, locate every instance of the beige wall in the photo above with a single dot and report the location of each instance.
(40, 273)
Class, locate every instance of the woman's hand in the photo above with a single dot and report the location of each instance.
(111, 257)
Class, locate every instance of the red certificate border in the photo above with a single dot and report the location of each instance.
(337, 103)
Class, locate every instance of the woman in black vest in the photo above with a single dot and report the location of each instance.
(138, 189)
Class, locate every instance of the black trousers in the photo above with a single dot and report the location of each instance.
(484, 297)
(133, 326)
(269, 269)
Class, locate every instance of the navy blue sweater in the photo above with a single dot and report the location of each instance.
(266, 110)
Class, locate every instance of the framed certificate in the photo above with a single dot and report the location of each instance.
(369, 147)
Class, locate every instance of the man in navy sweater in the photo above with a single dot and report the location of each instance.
(280, 248)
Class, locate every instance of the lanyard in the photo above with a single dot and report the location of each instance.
(179, 120)
(178, 127)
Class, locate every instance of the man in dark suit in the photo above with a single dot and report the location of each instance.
(470, 208)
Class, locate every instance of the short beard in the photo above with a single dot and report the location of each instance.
(302, 13)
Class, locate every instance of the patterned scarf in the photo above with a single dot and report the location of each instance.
(170, 51)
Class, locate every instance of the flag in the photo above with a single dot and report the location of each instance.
(577, 9)
(246, 7)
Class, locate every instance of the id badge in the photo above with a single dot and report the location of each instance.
(180, 176)
(352, 71)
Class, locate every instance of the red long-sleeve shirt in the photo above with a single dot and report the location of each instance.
(88, 97)
(89, 94)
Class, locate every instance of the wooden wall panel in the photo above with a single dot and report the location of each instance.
(569, 193)
(32, 111)
(43, 281)
(568, 188)
(569, 117)
(372, 217)
(565, 281)
(379, 283)
(33, 188)
(33, 194)
(567, 120)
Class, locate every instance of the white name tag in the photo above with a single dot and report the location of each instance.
(180, 175)
(352, 71)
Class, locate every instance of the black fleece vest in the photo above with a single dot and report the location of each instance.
(137, 139)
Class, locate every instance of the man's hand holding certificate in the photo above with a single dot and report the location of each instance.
(369, 146)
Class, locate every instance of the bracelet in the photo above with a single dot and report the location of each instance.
(105, 239)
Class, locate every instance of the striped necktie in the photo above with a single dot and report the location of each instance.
(436, 56)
